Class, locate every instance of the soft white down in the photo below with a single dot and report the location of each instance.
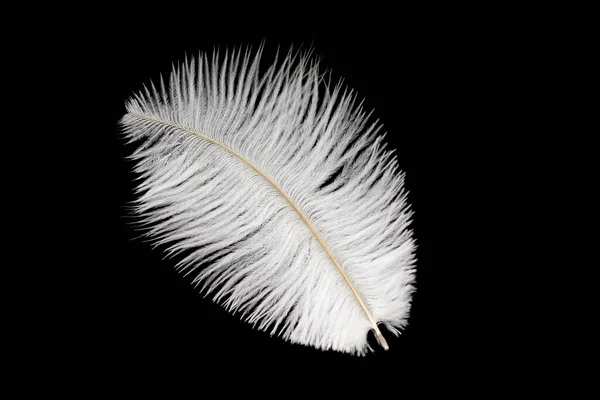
(235, 171)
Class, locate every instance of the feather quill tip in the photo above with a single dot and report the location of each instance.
(381, 340)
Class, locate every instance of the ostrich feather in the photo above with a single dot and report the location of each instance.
(278, 195)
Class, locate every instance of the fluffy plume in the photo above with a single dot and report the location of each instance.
(277, 194)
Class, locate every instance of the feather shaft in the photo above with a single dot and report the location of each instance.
(378, 335)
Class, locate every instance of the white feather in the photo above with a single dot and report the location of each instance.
(233, 166)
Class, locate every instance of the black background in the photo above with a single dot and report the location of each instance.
(419, 78)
